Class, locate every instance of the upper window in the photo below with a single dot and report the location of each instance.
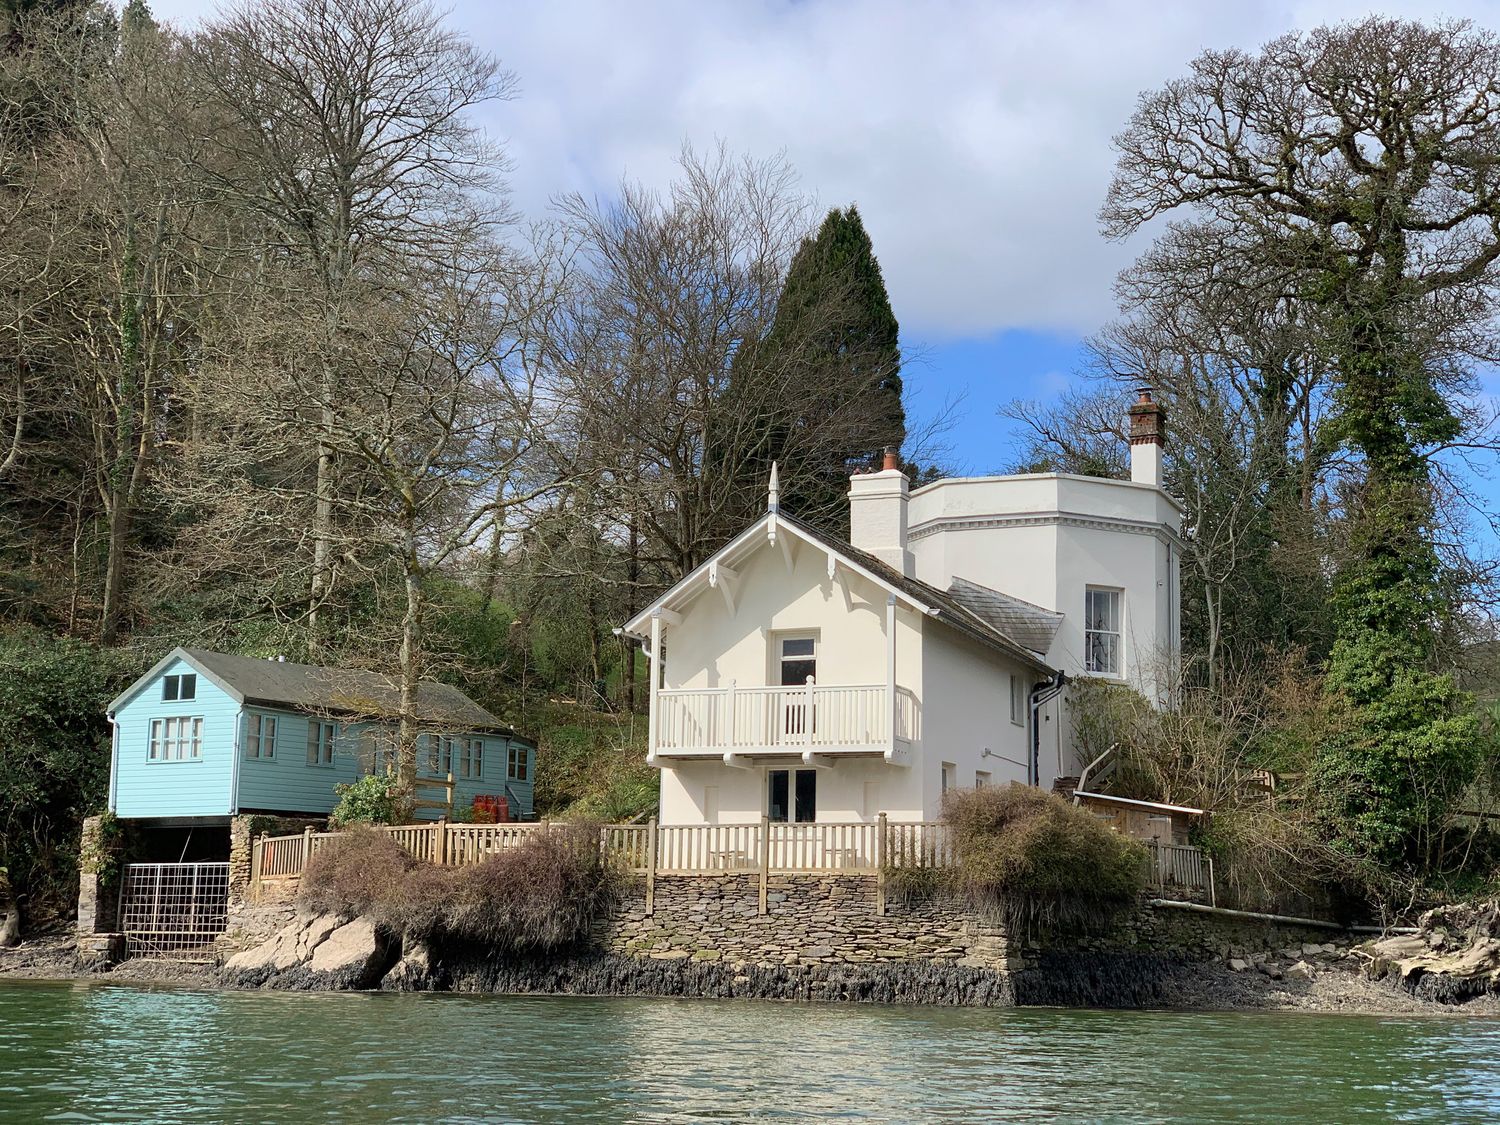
(320, 738)
(182, 686)
(260, 736)
(176, 739)
(799, 661)
(1018, 701)
(517, 763)
(1101, 631)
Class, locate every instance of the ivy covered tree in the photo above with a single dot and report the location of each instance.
(1354, 173)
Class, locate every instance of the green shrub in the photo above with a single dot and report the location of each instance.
(544, 894)
(1029, 858)
(374, 799)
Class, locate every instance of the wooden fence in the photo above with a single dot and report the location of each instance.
(700, 849)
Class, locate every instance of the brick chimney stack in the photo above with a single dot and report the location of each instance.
(1148, 431)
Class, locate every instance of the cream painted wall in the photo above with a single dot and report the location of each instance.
(712, 647)
(968, 711)
(1045, 539)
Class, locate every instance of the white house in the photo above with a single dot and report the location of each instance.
(803, 678)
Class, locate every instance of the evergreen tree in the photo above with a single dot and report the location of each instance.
(834, 323)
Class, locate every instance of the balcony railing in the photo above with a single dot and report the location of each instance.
(822, 717)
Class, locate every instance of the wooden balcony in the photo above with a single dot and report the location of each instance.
(818, 719)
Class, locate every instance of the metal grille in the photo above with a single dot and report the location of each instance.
(173, 909)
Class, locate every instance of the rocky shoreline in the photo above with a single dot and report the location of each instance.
(324, 953)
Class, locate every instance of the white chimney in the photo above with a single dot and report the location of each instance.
(877, 514)
(1148, 425)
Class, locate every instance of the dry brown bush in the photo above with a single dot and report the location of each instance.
(351, 875)
(544, 894)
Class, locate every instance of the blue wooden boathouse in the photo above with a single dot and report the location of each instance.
(206, 736)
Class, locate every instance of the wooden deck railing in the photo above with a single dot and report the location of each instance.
(673, 849)
(872, 847)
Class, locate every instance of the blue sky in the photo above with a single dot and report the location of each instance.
(973, 134)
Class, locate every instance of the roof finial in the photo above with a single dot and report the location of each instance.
(773, 500)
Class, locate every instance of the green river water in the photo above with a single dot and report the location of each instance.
(100, 1052)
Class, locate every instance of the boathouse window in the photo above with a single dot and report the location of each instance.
(377, 749)
(471, 758)
(176, 739)
(260, 736)
(517, 767)
(792, 796)
(320, 738)
(1101, 630)
(1017, 701)
(181, 686)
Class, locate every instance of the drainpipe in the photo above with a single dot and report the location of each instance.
(1041, 694)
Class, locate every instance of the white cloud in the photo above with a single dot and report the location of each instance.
(974, 136)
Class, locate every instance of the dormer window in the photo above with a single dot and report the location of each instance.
(1102, 616)
(181, 686)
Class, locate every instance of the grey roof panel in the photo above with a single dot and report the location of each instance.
(1023, 622)
(315, 687)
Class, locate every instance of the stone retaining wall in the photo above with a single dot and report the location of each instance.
(809, 919)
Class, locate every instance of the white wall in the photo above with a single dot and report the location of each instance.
(712, 647)
(1045, 539)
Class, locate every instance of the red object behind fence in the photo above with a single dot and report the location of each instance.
(491, 809)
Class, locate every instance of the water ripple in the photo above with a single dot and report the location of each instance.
(98, 1052)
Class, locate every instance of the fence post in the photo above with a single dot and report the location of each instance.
(765, 858)
(1213, 897)
(256, 846)
(306, 848)
(440, 842)
(882, 827)
(651, 867)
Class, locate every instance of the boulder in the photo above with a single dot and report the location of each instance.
(1238, 964)
(1300, 971)
(353, 956)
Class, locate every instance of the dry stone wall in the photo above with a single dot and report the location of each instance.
(809, 919)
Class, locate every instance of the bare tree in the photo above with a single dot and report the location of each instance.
(350, 134)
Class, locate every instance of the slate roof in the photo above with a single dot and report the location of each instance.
(952, 608)
(348, 691)
(1027, 624)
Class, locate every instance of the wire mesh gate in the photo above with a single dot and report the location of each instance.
(173, 909)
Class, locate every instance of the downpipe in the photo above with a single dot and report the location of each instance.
(1041, 694)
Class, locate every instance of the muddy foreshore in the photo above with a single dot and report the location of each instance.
(1084, 980)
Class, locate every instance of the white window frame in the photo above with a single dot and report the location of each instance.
(983, 779)
(947, 777)
(377, 749)
(175, 738)
(1017, 700)
(779, 658)
(176, 681)
(260, 736)
(471, 758)
(1117, 634)
(322, 738)
(515, 766)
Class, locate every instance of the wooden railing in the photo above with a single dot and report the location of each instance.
(674, 849)
(817, 716)
(869, 847)
(1177, 865)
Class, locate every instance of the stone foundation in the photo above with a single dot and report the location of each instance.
(810, 919)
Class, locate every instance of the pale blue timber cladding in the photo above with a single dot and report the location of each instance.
(286, 782)
(192, 787)
(223, 779)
